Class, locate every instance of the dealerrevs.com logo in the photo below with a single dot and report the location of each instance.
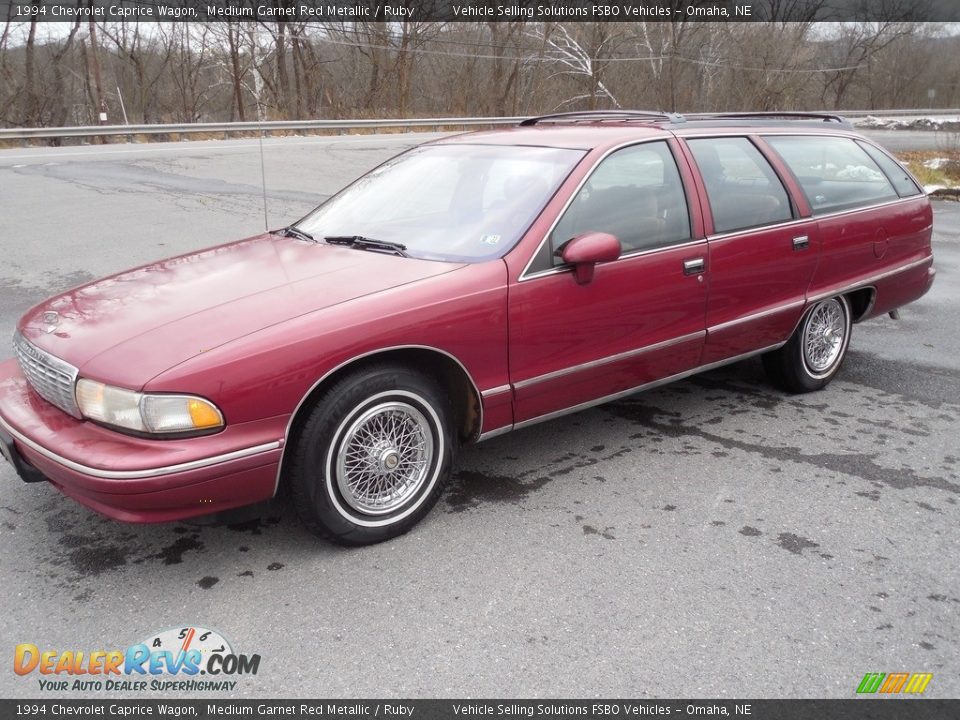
(169, 661)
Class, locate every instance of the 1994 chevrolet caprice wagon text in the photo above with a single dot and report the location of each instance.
(470, 286)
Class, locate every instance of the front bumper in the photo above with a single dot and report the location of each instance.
(25, 470)
(134, 479)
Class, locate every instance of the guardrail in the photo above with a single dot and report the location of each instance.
(905, 112)
(293, 125)
(266, 126)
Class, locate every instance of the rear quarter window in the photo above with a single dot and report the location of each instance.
(895, 172)
(835, 173)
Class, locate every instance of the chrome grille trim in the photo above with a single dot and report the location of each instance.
(49, 376)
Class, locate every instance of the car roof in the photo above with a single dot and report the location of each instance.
(601, 129)
(576, 136)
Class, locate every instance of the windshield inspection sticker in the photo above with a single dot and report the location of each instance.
(490, 239)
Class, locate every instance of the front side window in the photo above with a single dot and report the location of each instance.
(834, 172)
(457, 202)
(743, 189)
(635, 194)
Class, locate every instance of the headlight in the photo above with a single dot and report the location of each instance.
(146, 413)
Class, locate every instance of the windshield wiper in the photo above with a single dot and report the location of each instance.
(367, 243)
(294, 231)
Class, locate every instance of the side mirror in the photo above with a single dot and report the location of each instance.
(585, 251)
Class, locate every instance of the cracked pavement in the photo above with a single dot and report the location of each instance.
(709, 538)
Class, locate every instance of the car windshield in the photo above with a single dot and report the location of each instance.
(452, 202)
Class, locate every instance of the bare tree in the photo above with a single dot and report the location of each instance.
(233, 39)
(661, 42)
(505, 67)
(30, 113)
(59, 115)
(190, 61)
(189, 72)
(854, 49)
(581, 51)
(7, 78)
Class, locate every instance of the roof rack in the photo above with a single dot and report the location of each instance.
(769, 115)
(657, 116)
(649, 115)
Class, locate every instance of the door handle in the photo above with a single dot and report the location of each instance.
(801, 242)
(693, 267)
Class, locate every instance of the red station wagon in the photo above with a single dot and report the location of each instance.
(468, 287)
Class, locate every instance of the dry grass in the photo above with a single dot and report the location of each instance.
(947, 174)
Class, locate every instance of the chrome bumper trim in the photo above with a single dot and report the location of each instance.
(138, 474)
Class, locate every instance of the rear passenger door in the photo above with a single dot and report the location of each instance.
(762, 255)
(861, 200)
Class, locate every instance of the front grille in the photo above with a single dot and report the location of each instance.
(51, 378)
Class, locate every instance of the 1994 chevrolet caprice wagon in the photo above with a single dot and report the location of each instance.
(470, 286)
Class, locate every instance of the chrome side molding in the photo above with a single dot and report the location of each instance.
(624, 393)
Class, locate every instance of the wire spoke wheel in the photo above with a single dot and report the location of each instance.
(374, 454)
(384, 457)
(824, 334)
(813, 355)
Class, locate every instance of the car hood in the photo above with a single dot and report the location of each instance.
(128, 328)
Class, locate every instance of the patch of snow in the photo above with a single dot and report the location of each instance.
(871, 121)
(936, 163)
(948, 123)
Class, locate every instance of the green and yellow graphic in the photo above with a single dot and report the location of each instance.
(899, 682)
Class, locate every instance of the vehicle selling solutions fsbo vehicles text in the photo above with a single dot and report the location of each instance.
(598, 10)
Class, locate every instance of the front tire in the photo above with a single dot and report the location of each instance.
(815, 351)
(373, 456)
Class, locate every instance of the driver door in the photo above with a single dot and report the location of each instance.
(640, 319)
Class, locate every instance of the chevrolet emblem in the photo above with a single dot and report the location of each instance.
(52, 319)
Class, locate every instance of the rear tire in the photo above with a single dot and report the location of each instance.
(373, 456)
(815, 351)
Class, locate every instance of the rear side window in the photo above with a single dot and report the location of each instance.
(743, 189)
(835, 173)
(902, 182)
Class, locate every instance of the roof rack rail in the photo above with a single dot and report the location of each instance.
(650, 115)
(676, 118)
(770, 115)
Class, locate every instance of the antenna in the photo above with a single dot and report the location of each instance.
(257, 81)
(263, 171)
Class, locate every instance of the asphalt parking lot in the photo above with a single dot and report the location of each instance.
(710, 538)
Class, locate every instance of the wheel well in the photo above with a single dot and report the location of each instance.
(860, 302)
(464, 395)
